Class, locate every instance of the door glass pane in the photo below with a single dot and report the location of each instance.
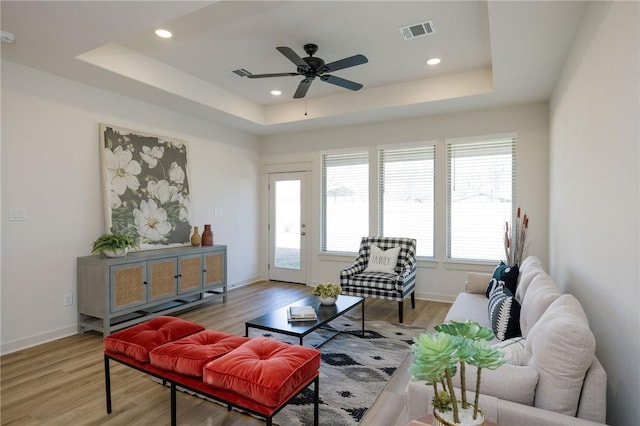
(287, 231)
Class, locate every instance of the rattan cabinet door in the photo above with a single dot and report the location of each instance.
(189, 273)
(128, 286)
(214, 269)
(162, 278)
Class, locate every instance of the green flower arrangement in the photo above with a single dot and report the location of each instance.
(114, 243)
(327, 290)
(437, 357)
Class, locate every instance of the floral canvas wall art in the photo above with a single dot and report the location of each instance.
(145, 186)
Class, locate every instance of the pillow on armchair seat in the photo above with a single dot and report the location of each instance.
(382, 260)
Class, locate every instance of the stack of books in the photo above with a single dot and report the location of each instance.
(301, 313)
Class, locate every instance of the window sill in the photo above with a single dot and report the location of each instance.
(470, 265)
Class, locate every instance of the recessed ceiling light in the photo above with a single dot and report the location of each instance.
(276, 92)
(433, 61)
(163, 33)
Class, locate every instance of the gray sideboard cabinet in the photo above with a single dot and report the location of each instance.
(114, 293)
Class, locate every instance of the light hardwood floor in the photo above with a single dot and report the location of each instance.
(62, 382)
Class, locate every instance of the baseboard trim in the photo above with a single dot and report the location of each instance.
(435, 297)
(242, 283)
(38, 339)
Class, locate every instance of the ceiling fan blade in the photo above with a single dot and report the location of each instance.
(347, 84)
(292, 56)
(279, 74)
(303, 87)
(351, 61)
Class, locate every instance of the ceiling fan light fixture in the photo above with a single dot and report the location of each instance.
(162, 33)
(433, 61)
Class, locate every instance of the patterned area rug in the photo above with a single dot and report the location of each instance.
(353, 372)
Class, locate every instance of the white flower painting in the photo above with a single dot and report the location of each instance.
(146, 187)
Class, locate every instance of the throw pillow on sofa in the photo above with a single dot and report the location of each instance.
(513, 350)
(561, 347)
(506, 275)
(504, 313)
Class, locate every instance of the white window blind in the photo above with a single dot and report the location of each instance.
(406, 196)
(345, 201)
(481, 190)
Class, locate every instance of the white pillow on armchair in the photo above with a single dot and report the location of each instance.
(382, 260)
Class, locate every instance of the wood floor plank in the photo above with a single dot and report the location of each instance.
(62, 382)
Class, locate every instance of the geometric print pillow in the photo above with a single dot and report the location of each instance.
(504, 313)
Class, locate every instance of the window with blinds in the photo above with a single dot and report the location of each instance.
(406, 195)
(345, 201)
(481, 189)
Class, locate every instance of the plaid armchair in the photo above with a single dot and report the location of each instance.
(355, 282)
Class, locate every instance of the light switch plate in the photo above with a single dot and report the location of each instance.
(18, 214)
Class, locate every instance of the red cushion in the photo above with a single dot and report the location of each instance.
(137, 341)
(188, 355)
(264, 370)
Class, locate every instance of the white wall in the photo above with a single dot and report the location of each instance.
(595, 192)
(50, 167)
(435, 280)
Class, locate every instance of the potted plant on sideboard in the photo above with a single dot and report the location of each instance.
(438, 356)
(114, 245)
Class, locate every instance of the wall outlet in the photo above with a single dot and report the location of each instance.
(218, 212)
(68, 299)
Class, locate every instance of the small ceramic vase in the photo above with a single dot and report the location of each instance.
(195, 238)
(207, 236)
(327, 300)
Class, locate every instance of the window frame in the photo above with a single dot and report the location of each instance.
(447, 208)
(429, 144)
(323, 203)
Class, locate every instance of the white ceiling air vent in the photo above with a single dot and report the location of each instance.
(417, 30)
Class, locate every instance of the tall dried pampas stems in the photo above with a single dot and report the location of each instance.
(515, 239)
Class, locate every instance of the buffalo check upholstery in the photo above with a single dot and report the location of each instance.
(380, 285)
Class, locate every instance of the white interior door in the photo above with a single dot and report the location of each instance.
(287, 227)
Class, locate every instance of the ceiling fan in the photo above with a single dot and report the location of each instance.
(312, 67)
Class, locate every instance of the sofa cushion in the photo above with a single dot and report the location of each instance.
(510, 382)
(561, 348)
(525, 278)
(506, 275)
(469, 306)
(382, 260)
(264, 370)
(189, 354)
(504, 313)
(541, 293)
(529, 262)
(136, 342)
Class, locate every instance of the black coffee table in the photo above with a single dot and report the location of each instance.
(277, 322)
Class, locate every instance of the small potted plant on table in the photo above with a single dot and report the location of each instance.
(327, 293)
(436, 359)
(114, 245)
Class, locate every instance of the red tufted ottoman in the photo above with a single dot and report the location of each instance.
(259, 375)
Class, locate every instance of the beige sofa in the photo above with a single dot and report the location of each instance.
(553, 378)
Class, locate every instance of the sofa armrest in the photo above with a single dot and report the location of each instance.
(503, 412)
(355, 268)
(477, 282)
